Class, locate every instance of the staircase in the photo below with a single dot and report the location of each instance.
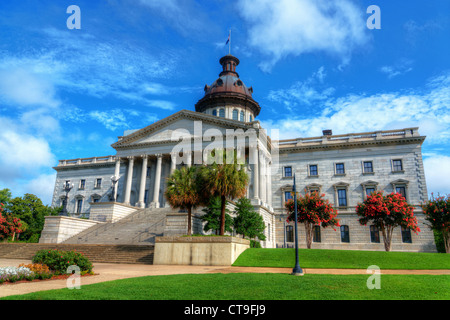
(94, 252)
(138, 228)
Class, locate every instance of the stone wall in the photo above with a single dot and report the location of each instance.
(59, 228)
(207, 250)
(359, 236)
(110, 211)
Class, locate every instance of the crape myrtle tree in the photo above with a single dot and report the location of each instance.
(312, 210)
(183, 191)
(387, 212)
(9, 225)
(437, 213)
(247, 221)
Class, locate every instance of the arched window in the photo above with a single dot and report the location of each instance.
(345, 234)
(242, 116)
(214, 113)
(235, 114)
(374, 234)
(222, 113)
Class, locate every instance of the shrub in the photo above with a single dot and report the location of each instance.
(41, 271)
(59, 261)
(255, 244)
(14, 274)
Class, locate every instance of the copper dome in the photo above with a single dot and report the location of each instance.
(228, 89)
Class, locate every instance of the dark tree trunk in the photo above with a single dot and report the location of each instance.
(189, 231)
(222, 215)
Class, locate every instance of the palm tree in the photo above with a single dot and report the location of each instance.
(182, 191)
(226, 181)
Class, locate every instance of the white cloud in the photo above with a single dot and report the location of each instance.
(293, 27)
(400, 68)
(429, 109)
(303, 92)
(437, 173)
(42, 186)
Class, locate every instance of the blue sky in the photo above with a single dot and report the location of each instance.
(313, 65)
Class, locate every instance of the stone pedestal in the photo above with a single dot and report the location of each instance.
(204, 251)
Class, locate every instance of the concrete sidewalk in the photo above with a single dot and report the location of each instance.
(113, 271)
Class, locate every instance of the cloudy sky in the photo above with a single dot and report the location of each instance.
(313, 64)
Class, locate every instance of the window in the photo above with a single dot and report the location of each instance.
(79, 205)
(401, 190)
(397, 165)
(289, 234)
(288, 171)
(287, 195)
(96, 200)
(406, 235)
(214, 113)
(251, 118)
(242, 116)
(98, 183)
(82, 184)
(148, 172)
(313, 170)
(342, 197)
(374, 234)
(368, 167)
(235, 114)
(340, 168)
(345, 234)
(316, 234)
(369, 190)
(222, 113)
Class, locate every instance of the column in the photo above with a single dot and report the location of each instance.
(255, 173)
(173, 163)
(189, 159)
(155, 203)
(129, 180)
(269, 183)
(116, 178)
(262, 177)
(141, 202)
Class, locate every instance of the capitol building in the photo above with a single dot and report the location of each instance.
(106, 189)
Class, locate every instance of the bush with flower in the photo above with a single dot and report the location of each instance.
(437, 213)
(13, 274)
(58, 260)
(9, 225)
(312, 210)
(387, 212)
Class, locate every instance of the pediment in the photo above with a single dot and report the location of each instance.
(182, 122)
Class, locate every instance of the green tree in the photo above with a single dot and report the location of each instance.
(31, 211)
(437, 213)
(248, 222)
(227, 181)
(212, 217)
(182, 191)
(5, 197)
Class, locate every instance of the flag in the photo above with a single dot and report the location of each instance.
(228, 40)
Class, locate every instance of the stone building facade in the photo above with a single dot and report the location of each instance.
(343, 167)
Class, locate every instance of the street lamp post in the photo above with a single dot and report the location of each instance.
(297, 271)
(67, 187)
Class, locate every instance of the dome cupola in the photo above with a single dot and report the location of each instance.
(228, 96)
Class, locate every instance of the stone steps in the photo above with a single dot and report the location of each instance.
(138, 228)
(94, 252)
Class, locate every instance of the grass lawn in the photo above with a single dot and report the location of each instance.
(342, 259)
(252, 286)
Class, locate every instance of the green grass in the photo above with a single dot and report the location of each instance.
(342, 259)
(245, 286)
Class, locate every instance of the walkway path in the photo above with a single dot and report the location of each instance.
(113, 271)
